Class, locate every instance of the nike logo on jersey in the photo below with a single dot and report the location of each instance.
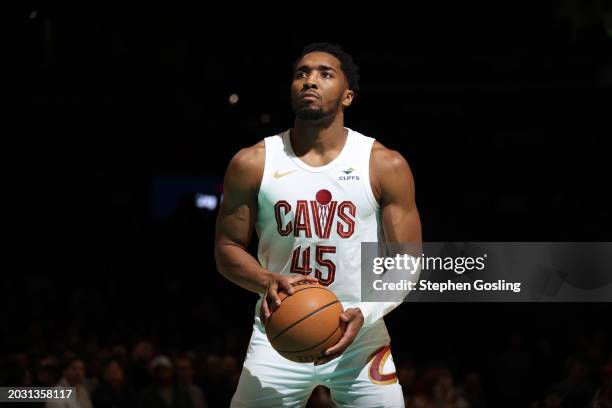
(278, 175)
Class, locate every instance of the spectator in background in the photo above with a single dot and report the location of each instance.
(552, 400)
(231, 371)
(164, 393)
(220, 378)
(437, 390)
(406, 374)
(19, 377)
(511, 375)
(213, 381)
(184, 377)
(138, 371)
(17, 373)
(603, 395)
(46, 372)
(95, 368)
(575, 390)
(112, 392)
(472, 391)
(73, 375)
(423, 389)
(445, 393)
(120, 353)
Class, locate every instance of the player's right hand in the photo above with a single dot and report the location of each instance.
(275, 284)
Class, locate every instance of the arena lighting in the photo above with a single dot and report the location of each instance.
(233, 99)
(206, 201)
(170, 194)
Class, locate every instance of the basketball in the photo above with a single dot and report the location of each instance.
(306, 323)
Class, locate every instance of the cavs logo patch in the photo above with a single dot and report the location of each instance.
(377, 364)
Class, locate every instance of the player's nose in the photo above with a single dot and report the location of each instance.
(311, 81)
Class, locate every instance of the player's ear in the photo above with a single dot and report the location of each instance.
(348, 98)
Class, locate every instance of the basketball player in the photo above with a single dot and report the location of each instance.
(313, 193)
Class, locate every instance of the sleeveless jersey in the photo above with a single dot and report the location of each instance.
(312, 220)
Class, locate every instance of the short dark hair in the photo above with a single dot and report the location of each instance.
(350, 69)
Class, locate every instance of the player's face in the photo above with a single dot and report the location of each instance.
(319, 88)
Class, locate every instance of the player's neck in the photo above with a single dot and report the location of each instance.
(318, 136)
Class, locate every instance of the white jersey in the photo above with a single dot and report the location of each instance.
(312, 220)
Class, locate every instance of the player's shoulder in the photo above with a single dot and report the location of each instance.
(390, 173)
(246, 168)
(385, 160)
(249, 158)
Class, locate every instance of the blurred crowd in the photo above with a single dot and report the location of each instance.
(118, 376)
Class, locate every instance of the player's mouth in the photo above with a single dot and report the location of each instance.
(310, 96)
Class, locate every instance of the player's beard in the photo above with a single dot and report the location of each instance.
(309, 113)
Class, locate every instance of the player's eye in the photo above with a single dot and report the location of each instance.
(300, 74)
(326, 75)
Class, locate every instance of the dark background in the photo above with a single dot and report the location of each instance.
(503, 114)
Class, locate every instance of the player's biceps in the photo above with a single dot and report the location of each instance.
(238, 235)
(238, 216)
(243, 222)
(242, 213)
(233, 229)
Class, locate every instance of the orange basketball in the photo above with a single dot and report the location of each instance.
(306, 323)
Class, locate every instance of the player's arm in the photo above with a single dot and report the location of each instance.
(393, 186)
(235, 225)
(235, 221)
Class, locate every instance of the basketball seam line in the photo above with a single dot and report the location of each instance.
(316, 345)
(302, 319)
(294, 292)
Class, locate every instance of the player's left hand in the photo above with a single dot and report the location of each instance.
(352, 320)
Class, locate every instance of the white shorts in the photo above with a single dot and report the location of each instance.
(363, 376)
